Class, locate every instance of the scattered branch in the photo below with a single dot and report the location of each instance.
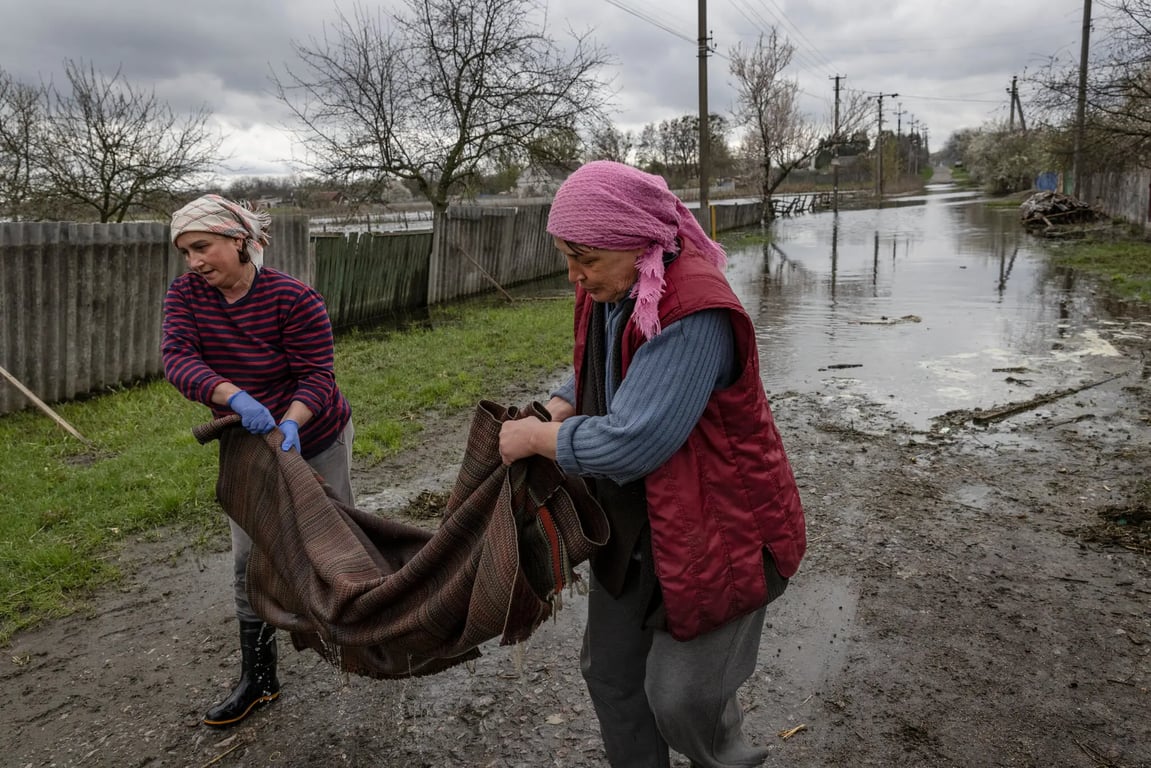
(998, 414)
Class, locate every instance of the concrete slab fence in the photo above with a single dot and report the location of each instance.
(81, 304)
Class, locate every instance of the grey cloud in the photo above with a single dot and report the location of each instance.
(218, 54)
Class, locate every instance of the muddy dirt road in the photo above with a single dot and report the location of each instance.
(972, 596)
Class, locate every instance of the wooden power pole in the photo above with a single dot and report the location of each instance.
(1081, 109)
(836, 139)
(879, 142)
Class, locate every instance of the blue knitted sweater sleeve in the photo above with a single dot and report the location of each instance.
(659, 402)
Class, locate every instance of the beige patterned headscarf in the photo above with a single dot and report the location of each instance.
(212, 213)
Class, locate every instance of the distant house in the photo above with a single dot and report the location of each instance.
(540, 181)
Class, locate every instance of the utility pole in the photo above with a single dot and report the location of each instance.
(898, 137)
(1081, 109)
(913, 148)
(1011, 121)
(879, 142)
(835, 141)
(704, 123)
(1016, 106)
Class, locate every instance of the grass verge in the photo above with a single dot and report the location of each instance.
(1120, 260)
(67, 509)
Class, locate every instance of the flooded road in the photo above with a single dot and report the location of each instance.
(934, 303)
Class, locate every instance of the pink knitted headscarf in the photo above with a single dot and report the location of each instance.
(619, 208)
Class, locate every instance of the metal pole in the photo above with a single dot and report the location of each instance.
(704, 122)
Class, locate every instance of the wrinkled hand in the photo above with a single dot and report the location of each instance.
(516, 440)
(291, 432)
(253, 415)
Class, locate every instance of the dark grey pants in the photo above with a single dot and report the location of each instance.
(334, 464)
(651, 691)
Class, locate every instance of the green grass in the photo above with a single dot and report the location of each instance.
(747, 237)
(1123, 264)
(68, 508)
(1012, 200)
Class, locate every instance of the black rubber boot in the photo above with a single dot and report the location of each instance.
(258, 684)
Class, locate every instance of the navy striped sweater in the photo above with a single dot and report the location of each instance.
(275, 343)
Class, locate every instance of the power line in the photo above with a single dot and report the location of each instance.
(799, 32)
(952, 98)
(762, 25)
(654, 22)
(961, 99)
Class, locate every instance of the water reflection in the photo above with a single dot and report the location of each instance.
(921, 305)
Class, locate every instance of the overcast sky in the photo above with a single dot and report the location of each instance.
(950, 61)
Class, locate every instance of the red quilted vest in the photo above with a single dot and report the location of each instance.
(727, 493)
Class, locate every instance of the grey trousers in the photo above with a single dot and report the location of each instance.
(651, 691)
(334, 464)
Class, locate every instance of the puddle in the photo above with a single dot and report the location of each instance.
(935, 304)
(406, 494)
(974, 496)
(807, 635)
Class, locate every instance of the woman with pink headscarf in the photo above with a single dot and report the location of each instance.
(666, 418)
(243, 338)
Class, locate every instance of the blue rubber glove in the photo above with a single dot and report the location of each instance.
(291, 432)
(253, 415)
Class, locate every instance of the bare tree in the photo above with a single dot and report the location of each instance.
(855, 114)
(1118, 95)
(608, 142)
(21, 114)
(671, 148)
(682, 138)
(780, 137)
(107, 147)
(650, 155)
(722, 160)
(436, 91)
(559, 148)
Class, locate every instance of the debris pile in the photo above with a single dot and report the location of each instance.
(1047, 212)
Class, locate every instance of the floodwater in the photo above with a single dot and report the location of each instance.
(935, 302)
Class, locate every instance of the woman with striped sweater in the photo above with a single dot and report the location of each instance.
(243, 338)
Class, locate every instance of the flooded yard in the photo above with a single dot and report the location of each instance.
(937, 302)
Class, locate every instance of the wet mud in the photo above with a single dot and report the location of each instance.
(973, 595)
